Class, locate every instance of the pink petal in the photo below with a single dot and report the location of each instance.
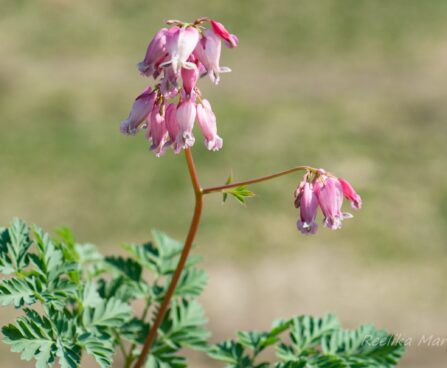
(350, 194)
(140, 110)
(230, 40)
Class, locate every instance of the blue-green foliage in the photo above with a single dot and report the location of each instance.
(76, 301)
(312, 342)
(84, 302)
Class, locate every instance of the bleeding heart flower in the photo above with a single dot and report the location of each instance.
(330, 198)
(190, 78)
(169, 84)
(307, 201)
(181, 42)
(158, 131)
(186, 115)
(208, 52)
(172, 127)
(155, 54)
(140, 110)
(207, 123)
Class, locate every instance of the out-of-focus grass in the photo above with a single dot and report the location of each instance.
(356, 87)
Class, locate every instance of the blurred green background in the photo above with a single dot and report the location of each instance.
(358, 87)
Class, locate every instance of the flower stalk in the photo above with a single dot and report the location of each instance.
(222, 188)
(183, 258)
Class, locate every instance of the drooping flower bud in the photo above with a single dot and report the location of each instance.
(208, 52)
(330, 198)
(186, 115)
(306, 200)
(168, 84)
(190, 78)
(230, 40)
(158, 131)
(155, 54)
(140, 110)
(350, 194)
(172, 127)
(207, 123)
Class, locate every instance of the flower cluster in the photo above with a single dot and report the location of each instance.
(321, 189)
(176, 58)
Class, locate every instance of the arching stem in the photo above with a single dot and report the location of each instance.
(222, 188)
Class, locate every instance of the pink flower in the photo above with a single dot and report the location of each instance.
(155, 54)
(140, 110)
(350, 194)
(230, 40)
(190, 78)
(208, 52)
(158, 131)
(306, 200)
(207, 123)
(186, 114)
(181, 42)
(172, 126)
(168, 84)
(330, 198)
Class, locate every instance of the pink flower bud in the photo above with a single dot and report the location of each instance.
(172, 126)
(156, 52)
(158, 131)
(330, 198)
(350, 194)
(186, 114)
(181, 42)
(168, 84)
(190, 78)
(306, 200)
(207, 123)
(208, 52)
(140, 110)
(230, 40)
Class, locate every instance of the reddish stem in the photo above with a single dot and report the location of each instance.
(199, 193)
(184, 256)
(256, 180)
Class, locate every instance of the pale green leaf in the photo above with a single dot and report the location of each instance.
(240, 193)
(192, 283)
(14, 245)
(111, 313)
(100, 347)
(17, 292)
(33, 338)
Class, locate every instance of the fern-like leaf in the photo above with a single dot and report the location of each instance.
(111, 313)
(99, 346)
(14, 245)
(191, 284)
(33, 337)
(17, 292)
(184, 325)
